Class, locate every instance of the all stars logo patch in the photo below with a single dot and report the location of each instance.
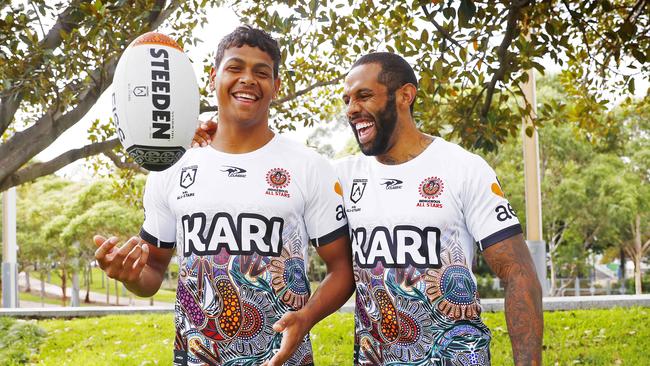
(430, 189)
(278, 179)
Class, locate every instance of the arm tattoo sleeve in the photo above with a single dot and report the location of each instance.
(511, 261)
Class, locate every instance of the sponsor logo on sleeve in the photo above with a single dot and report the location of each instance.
(340, 213)
(338, 189)
(496, 189)
(430, 189)
(233, 171)
(391, 183)
(505, 212)
(278, 179)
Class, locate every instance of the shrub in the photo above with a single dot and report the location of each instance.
(19, 340)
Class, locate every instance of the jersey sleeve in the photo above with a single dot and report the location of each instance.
(324, 213)
(488, 215)
(159, 227)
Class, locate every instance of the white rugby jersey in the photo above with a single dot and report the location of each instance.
(413, 229)
(240, 224)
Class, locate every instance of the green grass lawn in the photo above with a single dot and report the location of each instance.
(585, 337)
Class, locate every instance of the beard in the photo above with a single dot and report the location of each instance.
(385, 122)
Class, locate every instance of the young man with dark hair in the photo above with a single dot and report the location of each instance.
(240, 213)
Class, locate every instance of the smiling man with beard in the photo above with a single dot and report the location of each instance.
(413, 242)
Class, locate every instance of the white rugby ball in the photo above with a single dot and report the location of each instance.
(155, 101)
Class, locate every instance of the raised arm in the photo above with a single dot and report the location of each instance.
(511, 261)
(139, 265)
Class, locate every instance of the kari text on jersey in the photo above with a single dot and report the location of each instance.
(248, 234)
(404, 246)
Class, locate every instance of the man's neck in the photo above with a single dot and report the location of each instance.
(241, 138)
(409, 143)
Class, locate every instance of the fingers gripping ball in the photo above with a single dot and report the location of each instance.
(155, 101)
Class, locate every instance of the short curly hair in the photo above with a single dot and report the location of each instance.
(253, 37)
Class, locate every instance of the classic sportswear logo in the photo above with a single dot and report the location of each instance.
(392, 183)
(234, 172)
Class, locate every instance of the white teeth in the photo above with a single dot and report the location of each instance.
(361, 125)
(245, 96)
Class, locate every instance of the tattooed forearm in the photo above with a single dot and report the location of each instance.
(511, 261)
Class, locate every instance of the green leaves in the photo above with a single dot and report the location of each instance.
(466, 11)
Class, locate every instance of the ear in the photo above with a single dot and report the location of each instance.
(276, 87)
(213, 74)
(406, 95)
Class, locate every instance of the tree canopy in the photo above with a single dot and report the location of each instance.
(593, 191)
(56, 58)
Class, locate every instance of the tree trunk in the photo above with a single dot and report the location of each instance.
(621, 276)
(42, 289)
(553, 288)
(117, 294)
(27, 282)
(63, 283)
(638, 254)
(89, 276)
(108, 302)
(637, 275)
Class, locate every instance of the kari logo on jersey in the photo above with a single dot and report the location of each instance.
(234, 172)
(247, 234)
(430, 189)
(278, 179)
(404, 246)
(188, 175)
(391, 183)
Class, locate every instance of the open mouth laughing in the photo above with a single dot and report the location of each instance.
(365, 129)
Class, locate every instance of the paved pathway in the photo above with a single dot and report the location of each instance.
(95, 297)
